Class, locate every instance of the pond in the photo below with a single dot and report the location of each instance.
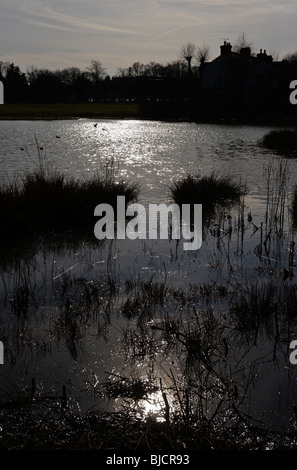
(142, 325)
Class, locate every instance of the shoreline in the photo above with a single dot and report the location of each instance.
(130, 111)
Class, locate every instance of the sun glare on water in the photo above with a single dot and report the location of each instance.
(156, 406)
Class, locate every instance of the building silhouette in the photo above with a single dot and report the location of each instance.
(244, 84)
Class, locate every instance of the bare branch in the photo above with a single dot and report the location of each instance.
(242, 42)
(187, 52)
(96, 71)
(203, 53)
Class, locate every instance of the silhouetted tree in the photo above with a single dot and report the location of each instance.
(176, 69)
(46, 86)
(96, 71)
(137, 70)
(77, 84)
(67, 85)
(32, 73)
(188, 51)
(242, 42)
(121, 72)
(154, 69)
(291, 57)
(15, 82)
(203, 53)
(274, 54)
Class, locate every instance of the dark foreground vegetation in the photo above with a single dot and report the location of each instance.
(196, 345)
(44, 427)
(203, 408)
(210, 191)
(282, 140)
(46, 202)
(294, 207)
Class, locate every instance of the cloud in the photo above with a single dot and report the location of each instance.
(136, 30)
(36, 13)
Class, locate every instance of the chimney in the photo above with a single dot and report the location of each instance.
(264, 57)
(226, 48)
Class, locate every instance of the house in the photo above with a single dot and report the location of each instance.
(239, 80)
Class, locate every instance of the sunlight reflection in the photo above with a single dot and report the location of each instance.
(155, 405)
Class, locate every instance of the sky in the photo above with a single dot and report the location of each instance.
(58, 34)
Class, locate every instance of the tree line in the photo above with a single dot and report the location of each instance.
(72, 84)
(44, 85)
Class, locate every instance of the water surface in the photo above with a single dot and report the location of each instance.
(48, 341)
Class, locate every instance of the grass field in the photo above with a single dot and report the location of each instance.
(68, 111)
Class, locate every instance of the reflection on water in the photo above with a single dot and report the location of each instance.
(143, 325)
(153, 405)
(154, 153)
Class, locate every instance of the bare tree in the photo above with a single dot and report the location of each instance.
(137, 69)
(32, 73)
(96, 71)
(176, 69)
(291, 57)
(242, 42)
(121, 72)
(187, 52)
(153, 69)
(274, 54)
(203, 53)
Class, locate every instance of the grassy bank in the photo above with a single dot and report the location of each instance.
(68, 111)
(161, 110)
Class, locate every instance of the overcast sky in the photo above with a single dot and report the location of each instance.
(65, 33)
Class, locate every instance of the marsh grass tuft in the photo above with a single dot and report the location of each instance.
(282, 140)
(144, 297)
(45, 201)
(294, 207)
(265, 309)
(210, 191)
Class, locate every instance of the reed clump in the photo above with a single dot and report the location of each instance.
(294, 207)
(265, 309)
(210, 191)
(45, 201)
(283, 140)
